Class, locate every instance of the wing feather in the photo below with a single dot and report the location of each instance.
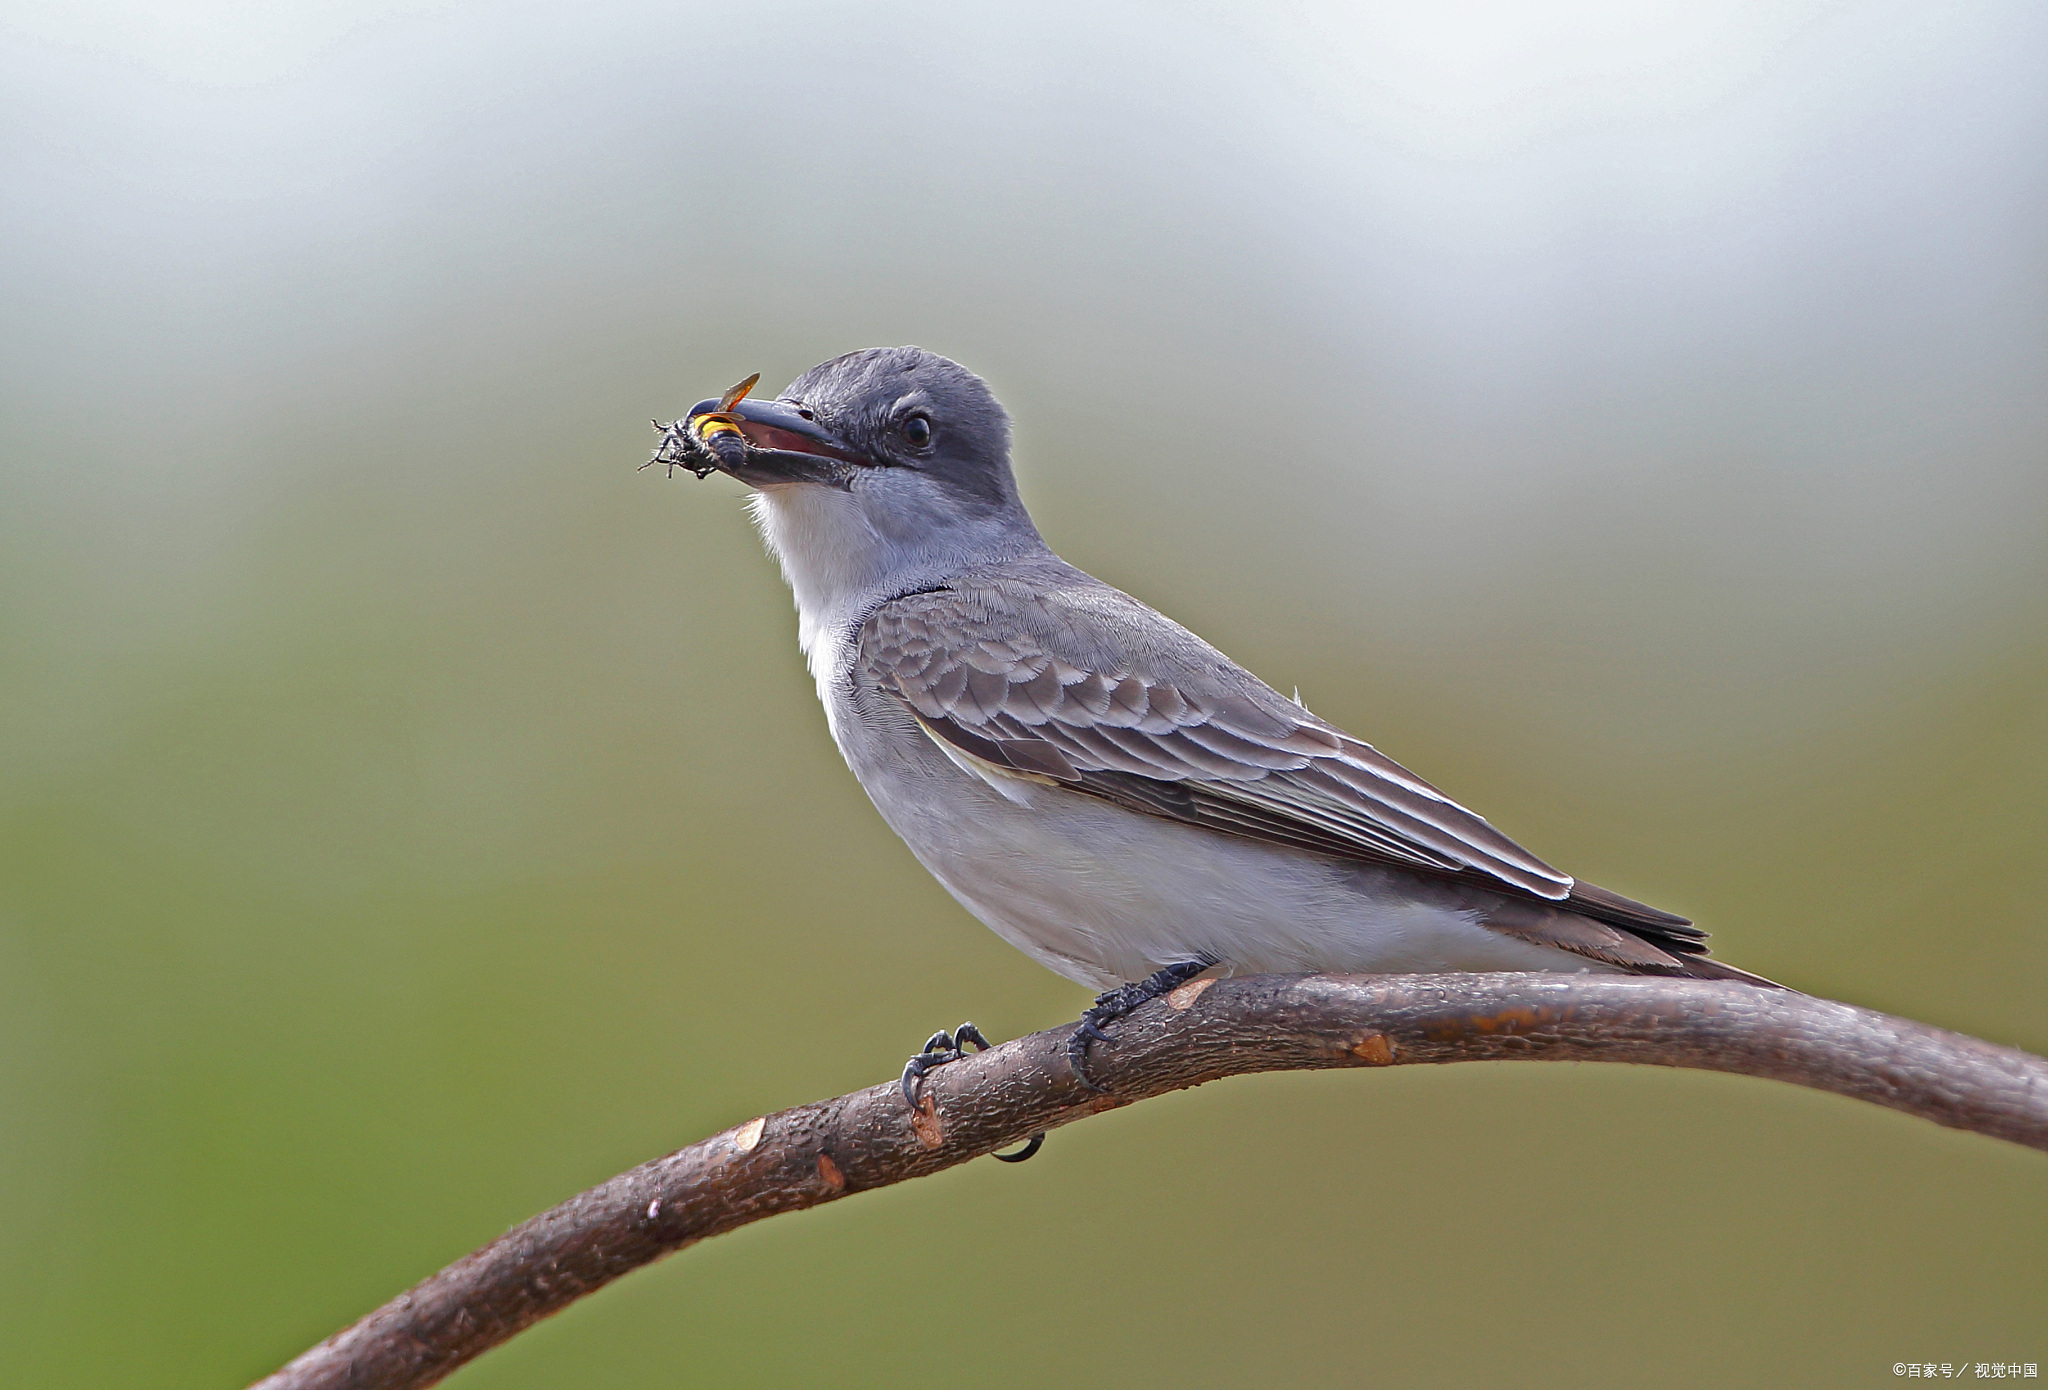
(1025, 680)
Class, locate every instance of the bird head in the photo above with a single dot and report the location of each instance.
(842, 424)
(870, 470)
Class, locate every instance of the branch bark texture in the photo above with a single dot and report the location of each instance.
(1204, 1030)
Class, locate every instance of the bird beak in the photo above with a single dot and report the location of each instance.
(785, 444)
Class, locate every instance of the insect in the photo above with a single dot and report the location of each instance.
(705, 442)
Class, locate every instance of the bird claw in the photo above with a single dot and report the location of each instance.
(942, 1048)
(1031, 1146)
(1114, 1004)
(1077, 1057)
(939, 1049)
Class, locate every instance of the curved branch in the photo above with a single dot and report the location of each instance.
(1202, 1031)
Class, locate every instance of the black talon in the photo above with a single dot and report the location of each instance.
(940, 1048)
(1031, 1146)
(913, 1070)
(1114, 1004)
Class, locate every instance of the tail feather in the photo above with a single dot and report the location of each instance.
(1638, 948)
(1705, 967)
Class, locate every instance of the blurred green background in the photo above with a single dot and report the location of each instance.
(1633, 417)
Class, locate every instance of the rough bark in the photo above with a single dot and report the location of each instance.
(1204, 1030)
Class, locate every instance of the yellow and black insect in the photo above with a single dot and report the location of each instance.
(707, 441)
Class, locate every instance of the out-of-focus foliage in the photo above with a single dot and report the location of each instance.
(1635, 419)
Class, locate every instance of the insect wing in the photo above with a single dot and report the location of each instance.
(737, 394)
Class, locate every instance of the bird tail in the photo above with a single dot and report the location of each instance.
(1707, 968)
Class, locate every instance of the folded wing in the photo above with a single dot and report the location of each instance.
(1088, 689)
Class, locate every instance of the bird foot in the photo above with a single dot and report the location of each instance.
(1124, 999)
(939, 1049)
(943, 1047)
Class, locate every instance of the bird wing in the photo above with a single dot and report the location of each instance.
(1068, 681)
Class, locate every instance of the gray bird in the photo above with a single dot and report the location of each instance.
(1112, 795)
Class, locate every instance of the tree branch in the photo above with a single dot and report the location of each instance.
(1205, 1030)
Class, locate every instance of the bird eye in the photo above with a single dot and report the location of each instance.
(918, 430)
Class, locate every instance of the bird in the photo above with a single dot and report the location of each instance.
(1109, 793)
